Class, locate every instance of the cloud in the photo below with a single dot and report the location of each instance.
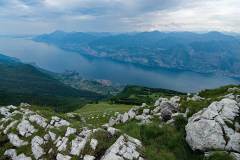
(39, 16)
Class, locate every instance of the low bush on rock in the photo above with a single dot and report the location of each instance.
(220, 156)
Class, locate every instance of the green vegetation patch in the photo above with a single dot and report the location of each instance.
(220, 156)
(136, 95)
(218, 92)
(162, 143)
(25, 83)
(99, 113)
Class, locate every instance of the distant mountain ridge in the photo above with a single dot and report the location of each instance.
(4, 58)
(212, 52)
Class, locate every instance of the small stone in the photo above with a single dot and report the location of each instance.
(62, 157)
(11, 153)
(10, 126)
(124, 118)
(93, 143)
(146, 111)
(52, 136)
(112, 130)
(61, 143)
(70, 131)
(88, 157)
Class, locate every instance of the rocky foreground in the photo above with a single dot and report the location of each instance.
(27, 134)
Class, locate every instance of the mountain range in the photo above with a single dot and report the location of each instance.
(212, 52)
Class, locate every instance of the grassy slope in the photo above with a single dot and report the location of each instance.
(136, 95)
(25, 83)
(161, 143)
(168, 142)
(99, 114)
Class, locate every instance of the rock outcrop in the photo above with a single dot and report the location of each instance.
(125, 147)
(55, 137)
(166, 107)
(213, 127)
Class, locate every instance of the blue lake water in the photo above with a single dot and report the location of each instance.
(57, 60)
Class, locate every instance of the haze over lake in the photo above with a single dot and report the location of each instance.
(57, 60)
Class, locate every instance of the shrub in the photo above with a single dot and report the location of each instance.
(104, 142)
(163, 143)
(220, 156)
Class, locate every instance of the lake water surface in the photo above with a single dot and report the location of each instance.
(57, 60)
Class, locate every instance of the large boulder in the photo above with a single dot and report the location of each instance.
(210, 128)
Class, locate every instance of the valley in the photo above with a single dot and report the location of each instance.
(56, 60)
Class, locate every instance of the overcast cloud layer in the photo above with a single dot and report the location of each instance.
(39, 16)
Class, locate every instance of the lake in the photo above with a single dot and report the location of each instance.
(57, 60)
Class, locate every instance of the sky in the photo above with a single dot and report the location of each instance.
(42, 16)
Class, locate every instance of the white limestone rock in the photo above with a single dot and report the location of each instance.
(5, 111)
(80, 141)
(16, 141)
(112, 156)
(78, 145)
(62, 157)
(145, 119)
(131, 114)
(112, 121)
(124, 118)
(88, 157)
(125, 147)
(205, 135)
(166, 107)
(93, 143)
(146, 111)
(25, 128)
(207, 129)
(143, 105)
(24, 105)
(195, 98)
(52, 135)
(61, 143)
(234, 89)
(236, 155)
(112, 130)
(11, 153)
(70, 131)
(22, 157)
(41, 121)
(12, 124)
(37, 150)
(234, 142)
(230, 96)
(58, 122)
